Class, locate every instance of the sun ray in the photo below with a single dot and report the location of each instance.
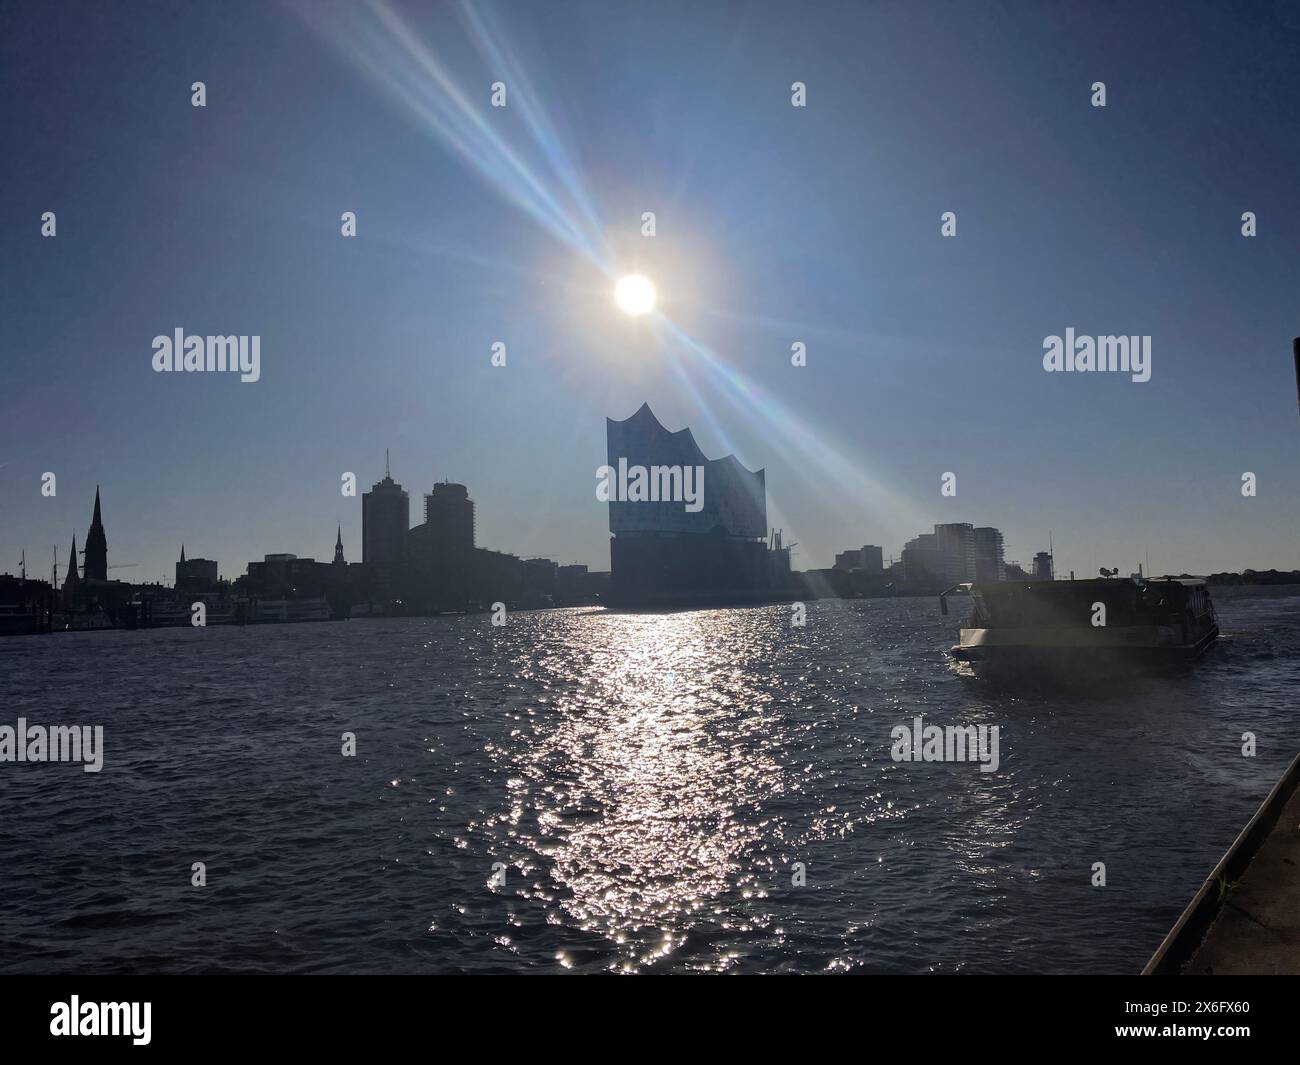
(541, 179)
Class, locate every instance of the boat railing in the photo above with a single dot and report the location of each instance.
(963, 588)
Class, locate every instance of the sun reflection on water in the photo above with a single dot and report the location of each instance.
(656, 778)
(641, 789)
(650, 830)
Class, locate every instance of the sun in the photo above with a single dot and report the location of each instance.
(635, 295)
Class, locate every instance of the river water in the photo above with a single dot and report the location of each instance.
(644, 784)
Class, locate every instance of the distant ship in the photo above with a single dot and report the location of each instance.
(1082, 630)
(316, 609)
(167, 614)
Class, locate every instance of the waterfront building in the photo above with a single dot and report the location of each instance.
(540, 578)
(385, 519)
(921, 560)
(572, 584)
(1043, 566)
(443, 569)
(26, 605)
(286, 576)
(990, 559)
(449, 513)
(956, 546)
(953, 553)
(699, 535)
(733, 499)
(869, 560)
(196, 574)
(385, 522)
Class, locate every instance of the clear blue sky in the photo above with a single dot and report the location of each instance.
(774, 225)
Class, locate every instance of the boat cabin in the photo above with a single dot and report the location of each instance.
(1046, 604)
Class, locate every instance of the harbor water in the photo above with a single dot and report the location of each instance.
(583, 790)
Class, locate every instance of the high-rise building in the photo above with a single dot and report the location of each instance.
(990, 559)
(385, 519)
(1043, 566)
(449, 514)
(442, 568)
(870, 560)
(873, 559)
(921, 559)
(956, 545)
(96, 568)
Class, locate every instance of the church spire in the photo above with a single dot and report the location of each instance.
(96, 547)
(72, 578)
(182, 552)
(338, 548)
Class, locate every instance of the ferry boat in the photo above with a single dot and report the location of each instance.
(1083, 629)
(172, 613)
(317, 609)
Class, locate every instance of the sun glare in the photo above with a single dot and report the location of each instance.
(635, 295)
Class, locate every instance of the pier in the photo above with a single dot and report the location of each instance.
(1245, 918)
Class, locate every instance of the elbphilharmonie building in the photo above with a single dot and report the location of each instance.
(734, 499)
(666, 552)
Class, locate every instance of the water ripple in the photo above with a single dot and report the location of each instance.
(649, 784)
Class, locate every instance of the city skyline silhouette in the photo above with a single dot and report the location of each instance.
(479, 225)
